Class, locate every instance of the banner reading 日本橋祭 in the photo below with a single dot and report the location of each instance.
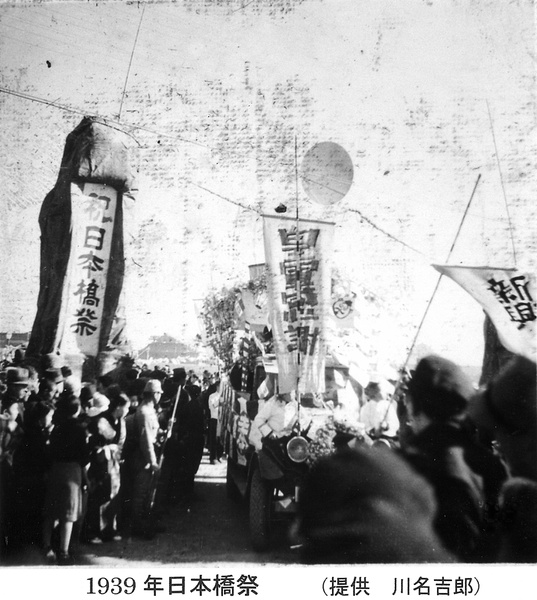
(93, 211)
(509, 297)
(299, 294)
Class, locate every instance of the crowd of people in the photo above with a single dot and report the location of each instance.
(447, 474)
(92, 462)
(459, 484)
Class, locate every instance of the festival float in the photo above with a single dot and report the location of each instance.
(272, 338)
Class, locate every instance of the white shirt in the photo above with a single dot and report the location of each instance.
(275, 416)
(374, 413)
(214, 404)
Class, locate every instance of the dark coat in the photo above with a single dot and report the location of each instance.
(69, 443)
(467, 479)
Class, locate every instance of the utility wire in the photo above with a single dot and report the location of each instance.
(502, 183)
(148, 130)
(105, 120)
(76, 111)
(249, 208)
(132, 127)
(130, 63)
(366, 219)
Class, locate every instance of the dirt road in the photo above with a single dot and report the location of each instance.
(215, 530)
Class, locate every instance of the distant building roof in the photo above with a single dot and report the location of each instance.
(164, 346)
(14, 339)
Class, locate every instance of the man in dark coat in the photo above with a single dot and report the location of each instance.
(184, 449)
(506, 410)
(466, 477)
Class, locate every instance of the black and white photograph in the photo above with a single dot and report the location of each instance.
(268, 297)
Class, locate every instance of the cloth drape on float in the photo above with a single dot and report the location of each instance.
(299, 294)
(509, 297)
(81, 303)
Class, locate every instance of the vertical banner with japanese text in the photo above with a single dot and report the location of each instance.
(299, 282)
(93, 211)
(509, 297)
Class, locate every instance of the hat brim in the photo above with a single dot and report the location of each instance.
(93, 412)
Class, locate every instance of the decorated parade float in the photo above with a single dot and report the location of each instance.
(280, 341)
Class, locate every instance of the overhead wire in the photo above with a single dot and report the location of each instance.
(235, 202)
(130, 63)
(157, 39)
(132, 127)
(105, 120)
(45, 49)
(502, 184)
(245, 207)
(113, 52)
(64, 33)
(362, 216)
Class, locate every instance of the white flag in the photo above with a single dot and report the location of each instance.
(299, 281)
(509, 297)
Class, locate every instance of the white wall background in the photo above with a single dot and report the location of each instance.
(424, 95)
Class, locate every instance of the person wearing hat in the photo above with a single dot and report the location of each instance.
(17, 382)
(144, 460)
(31, 463)
(10, 440)
(107, 436)
(379, 414)
(97, 472)
(506, 411)
(53, 383)
(17, 390)
(63, 499)
(465, 476)
(98, 404)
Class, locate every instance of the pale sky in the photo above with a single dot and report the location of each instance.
(424, 96)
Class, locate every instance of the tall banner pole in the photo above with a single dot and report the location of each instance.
(298, 288)
(403, 369)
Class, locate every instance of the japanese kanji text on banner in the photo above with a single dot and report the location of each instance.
(93, 211)
(299, 266)
(509, 297)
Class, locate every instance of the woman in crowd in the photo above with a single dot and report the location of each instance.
(63, 501)
(107, 437)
